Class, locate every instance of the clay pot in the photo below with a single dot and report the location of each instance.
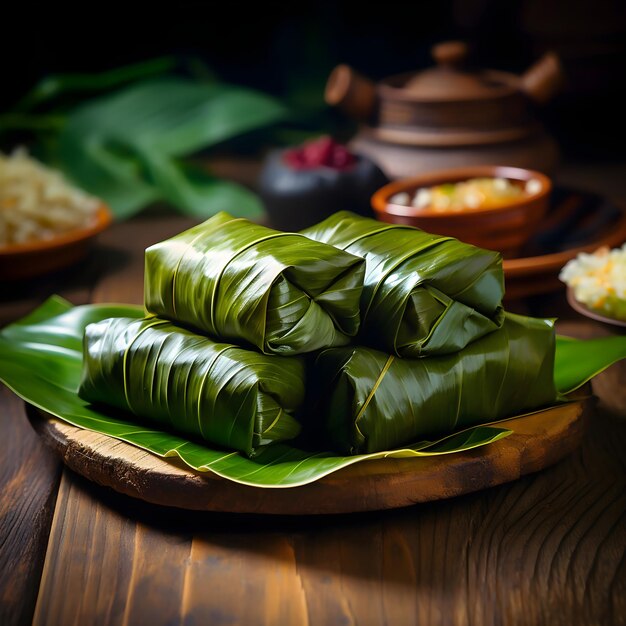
(450, 115)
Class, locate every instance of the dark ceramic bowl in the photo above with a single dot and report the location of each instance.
(295, 199)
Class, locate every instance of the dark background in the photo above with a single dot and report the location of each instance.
(289, 49)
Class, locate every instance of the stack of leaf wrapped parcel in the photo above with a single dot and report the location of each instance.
(354, 336)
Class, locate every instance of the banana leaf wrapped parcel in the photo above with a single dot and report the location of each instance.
(239, 399)
(235, 280)
(424, 294)
(371, 401)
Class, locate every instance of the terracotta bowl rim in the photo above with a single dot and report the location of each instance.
(380, 199)
(104, 217)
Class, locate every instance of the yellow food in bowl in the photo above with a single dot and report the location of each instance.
(599, 280)
(468, 195)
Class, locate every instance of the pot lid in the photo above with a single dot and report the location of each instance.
(450, 79)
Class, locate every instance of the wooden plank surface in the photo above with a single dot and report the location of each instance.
(29, 472)
(547, 549)
(29, 478)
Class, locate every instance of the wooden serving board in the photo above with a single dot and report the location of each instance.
(539, 440)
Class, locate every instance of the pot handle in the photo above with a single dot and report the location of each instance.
(544, 79)
(353, 93)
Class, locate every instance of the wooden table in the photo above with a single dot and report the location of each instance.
(547, 549)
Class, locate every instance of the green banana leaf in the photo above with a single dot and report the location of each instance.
(41, 361)
(50, 89)
(44, 108)
(233, 279)
(235, 398)
(372, 401)
(128, 147)
(573, 368)
(423, 294)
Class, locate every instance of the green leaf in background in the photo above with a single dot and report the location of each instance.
(51, 88)
(43, 110)
(131, 135)
(126, 147)
(195, 191)
(41, 361)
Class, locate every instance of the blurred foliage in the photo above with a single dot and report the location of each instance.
(128, 135)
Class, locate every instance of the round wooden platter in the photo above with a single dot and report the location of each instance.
(539, 440)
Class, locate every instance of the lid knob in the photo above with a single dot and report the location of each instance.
(450, 53)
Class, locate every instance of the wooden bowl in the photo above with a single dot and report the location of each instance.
(505, 228)
(43, 256)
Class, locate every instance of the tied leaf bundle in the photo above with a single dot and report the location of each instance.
(281, 292)
(423, 294)
(235, 398)
(372, 401)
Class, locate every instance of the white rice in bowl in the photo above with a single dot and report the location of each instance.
(599, 280)
(36, 202)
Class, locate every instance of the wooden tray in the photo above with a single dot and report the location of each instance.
(539, 440)
(577, 221)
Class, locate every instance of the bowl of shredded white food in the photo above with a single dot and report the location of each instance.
(45, 222)
(598, 282)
